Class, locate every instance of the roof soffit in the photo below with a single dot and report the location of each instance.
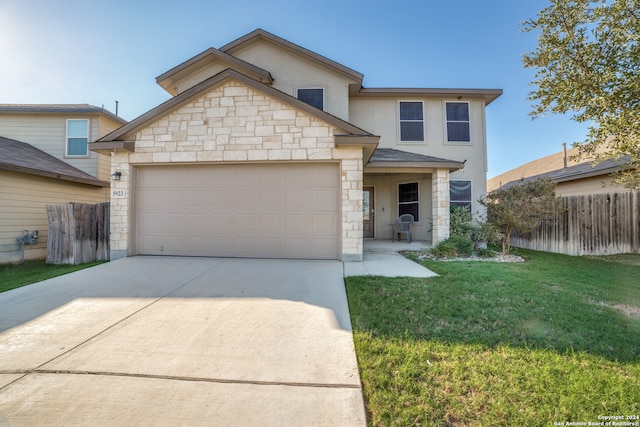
(489, 95)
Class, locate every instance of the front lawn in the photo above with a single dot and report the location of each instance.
(16, 275)
(553, 340)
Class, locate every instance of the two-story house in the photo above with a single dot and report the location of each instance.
(267, 149)
(45, 160)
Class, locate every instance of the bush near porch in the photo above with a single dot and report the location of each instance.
(555, 339)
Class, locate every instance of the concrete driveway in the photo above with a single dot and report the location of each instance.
(181, 341)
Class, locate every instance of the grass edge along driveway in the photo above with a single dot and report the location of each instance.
(14, 276)
(490, 344)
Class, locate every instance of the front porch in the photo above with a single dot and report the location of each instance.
(386, 245)
(397, 182)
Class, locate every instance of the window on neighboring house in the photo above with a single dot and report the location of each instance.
(458, 122)
(408, 200)
(411, 121)
(313, 97)
(77, 138)
(460, 193)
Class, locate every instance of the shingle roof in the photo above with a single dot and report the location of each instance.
(579, 171)
(60, 108)
(390, 157)
(16, 156)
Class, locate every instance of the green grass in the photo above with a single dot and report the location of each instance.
(490, 344)
(16, 275)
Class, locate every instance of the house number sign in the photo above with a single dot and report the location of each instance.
(118, 194)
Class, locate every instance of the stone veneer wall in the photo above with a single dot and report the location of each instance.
(441, 202)
(234, 123)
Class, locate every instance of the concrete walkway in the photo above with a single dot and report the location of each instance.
(381, 258)
(181, 341)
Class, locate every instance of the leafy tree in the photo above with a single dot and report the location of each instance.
(520, 207)
(588, 63)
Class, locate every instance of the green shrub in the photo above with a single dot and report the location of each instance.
(444, 249)
(453, 246)
(463, 245)
(460, 221)
(485, 253)
(485, 233)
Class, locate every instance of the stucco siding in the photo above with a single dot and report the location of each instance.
(201, 75)
(379, 115)
(386, 203)
(23, 198)
(291, 72)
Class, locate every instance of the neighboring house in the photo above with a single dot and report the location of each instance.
(573, 178)
(62, 130)
(270, 150)
(44, 160)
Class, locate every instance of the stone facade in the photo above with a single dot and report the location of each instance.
(234, 123)
(441, 202)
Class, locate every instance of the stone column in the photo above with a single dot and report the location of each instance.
(440, 194)
(120, 206)
(352, 176)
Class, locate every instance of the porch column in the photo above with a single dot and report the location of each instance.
(440, 203)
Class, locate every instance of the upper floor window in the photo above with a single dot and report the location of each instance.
(77, 137)
(312, 96)
(411, 121)
(458, 122)
(409, 200)
(460, 193)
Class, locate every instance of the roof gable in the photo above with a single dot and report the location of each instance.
(198, 63)
(17, 156)
(261, 35)
(127, 132)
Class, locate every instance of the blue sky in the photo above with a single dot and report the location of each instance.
(80, 51)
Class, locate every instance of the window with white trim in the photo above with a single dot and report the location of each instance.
(312, 96)
(77, 138)
(460, 193)
(458, 129)
(409, 200)
(411, 121)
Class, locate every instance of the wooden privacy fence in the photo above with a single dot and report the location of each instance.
(78, 233)
(595, 224)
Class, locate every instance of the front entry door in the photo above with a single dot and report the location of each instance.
(368, 212)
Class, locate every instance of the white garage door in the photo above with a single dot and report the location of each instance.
(263, 211)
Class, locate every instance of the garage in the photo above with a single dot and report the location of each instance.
(273, 210)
